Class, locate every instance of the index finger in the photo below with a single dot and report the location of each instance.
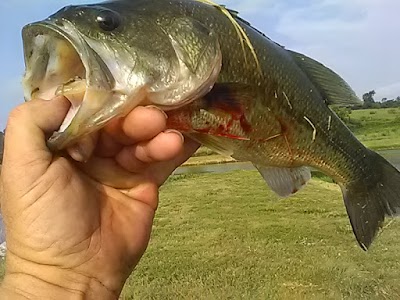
(142, 123)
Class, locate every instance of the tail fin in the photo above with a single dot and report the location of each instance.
(370, 198)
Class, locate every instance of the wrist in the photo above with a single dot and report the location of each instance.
(28, 287)
(32, 281)
(24, 286)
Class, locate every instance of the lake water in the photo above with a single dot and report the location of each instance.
(393, 156)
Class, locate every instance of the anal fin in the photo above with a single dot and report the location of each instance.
(285, 181)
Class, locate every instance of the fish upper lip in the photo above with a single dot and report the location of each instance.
(89, 58)
(45, 28)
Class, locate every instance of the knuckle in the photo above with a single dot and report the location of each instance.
(18, 113)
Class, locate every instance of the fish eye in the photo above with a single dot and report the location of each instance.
(108, 20)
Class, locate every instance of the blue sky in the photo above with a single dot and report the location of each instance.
(356, 38)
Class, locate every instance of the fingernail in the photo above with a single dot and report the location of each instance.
(77, 153)
(175, 132)
(84, 149)
(159, 109)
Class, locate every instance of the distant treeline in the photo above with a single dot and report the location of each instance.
(369, 102)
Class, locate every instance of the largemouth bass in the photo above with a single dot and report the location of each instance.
(223, 83)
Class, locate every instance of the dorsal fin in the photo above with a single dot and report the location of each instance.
(333, 88)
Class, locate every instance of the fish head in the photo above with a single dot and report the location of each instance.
(109, 58)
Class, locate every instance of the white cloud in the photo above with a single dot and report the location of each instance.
(390, 91)
(358, 39)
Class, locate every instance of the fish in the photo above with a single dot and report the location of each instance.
(222, 83)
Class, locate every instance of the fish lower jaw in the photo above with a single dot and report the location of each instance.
(75, 92)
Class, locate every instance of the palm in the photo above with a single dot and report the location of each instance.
(95, 218)
(89, 223)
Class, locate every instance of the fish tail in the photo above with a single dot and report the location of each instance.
(372, 196)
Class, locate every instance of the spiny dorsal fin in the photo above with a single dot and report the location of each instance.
(333, 88)
(285, 181)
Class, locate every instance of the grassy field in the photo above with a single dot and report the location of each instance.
(377, 129)
(226, 236)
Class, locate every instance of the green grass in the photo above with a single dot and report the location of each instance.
(377, 128)
(226, 236)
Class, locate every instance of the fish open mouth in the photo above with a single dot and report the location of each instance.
(53, 67)
(60, 62)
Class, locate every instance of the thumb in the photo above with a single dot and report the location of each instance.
(26, 155)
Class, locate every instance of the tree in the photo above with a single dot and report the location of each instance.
(369, 100)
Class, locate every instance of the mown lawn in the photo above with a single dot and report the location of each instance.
(226, 236)
(377, 128)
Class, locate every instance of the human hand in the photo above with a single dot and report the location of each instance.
(77, 230)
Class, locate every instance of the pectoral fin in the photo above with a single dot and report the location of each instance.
(213, 142)
(285, 181)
